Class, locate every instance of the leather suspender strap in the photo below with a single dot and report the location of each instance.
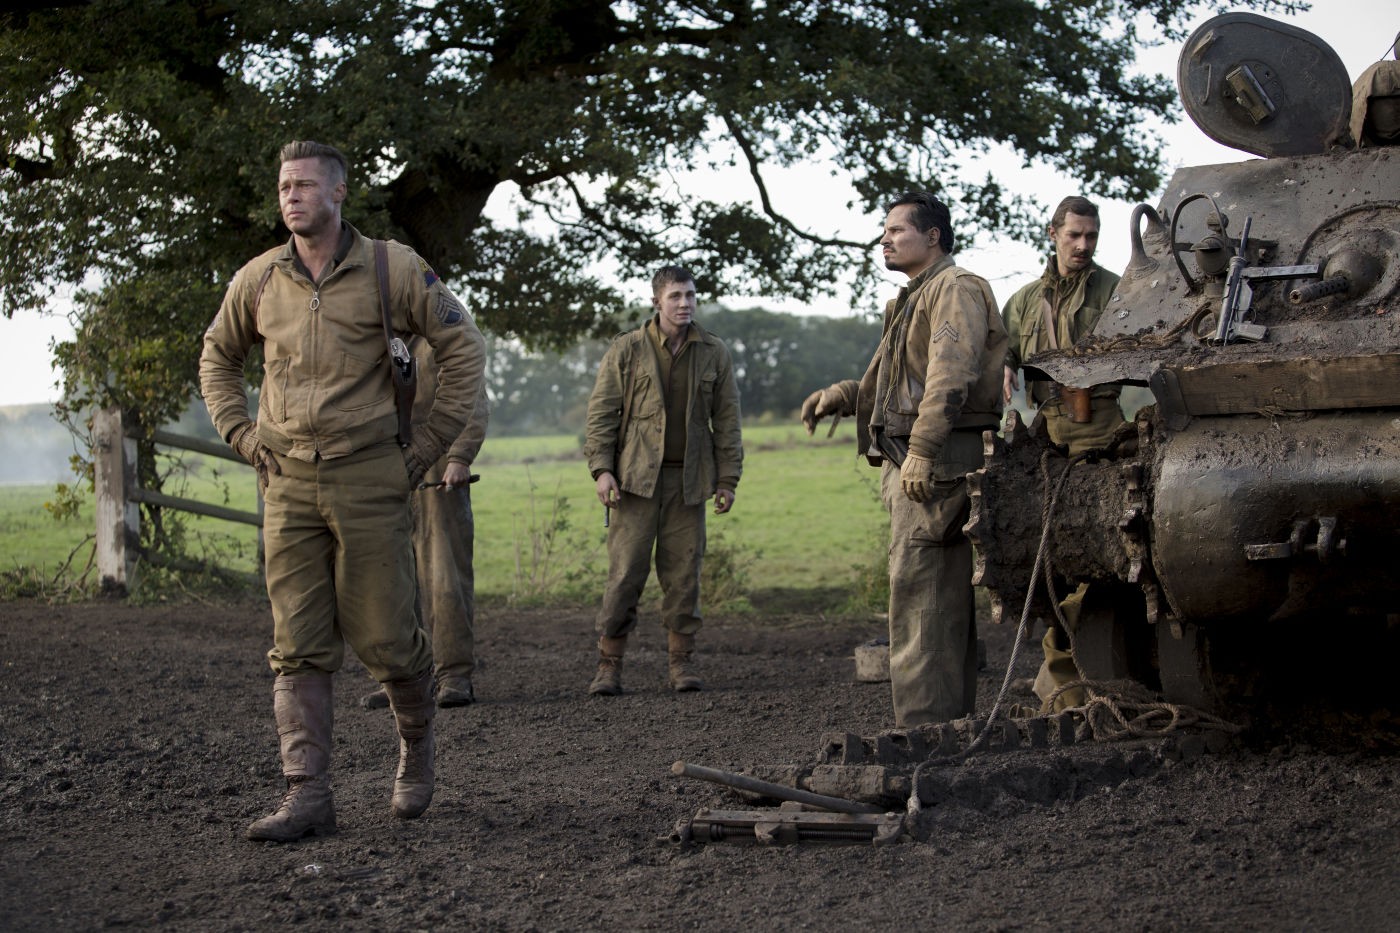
(401, 362)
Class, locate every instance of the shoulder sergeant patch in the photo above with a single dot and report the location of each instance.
(946, 329)
(448, 310)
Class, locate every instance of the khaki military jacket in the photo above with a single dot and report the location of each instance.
(1077, 315)
(327, 390)
(626, 427)
(938, 366)
(468, 444)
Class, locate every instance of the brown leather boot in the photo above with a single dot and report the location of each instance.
(304, 711)
(414, 709)
(682, 669)
(376, 700)
(608, 681)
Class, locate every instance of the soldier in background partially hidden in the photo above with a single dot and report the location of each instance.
(443, 532)
(1053, 313)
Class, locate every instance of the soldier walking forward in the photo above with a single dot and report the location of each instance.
(663, 437)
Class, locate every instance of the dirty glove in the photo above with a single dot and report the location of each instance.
(245, 441)
(820, 404)
(916, 477)
(421, 453)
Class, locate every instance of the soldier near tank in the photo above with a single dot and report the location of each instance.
(337, 469)
(932, 388)
(1375, 103)
(1053, 313)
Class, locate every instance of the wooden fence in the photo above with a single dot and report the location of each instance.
(119, 496)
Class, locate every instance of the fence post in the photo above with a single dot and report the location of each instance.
(118, 516)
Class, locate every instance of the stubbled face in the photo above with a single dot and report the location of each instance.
(309, 197)
(676, 305)
(1075, 242)
(905, 248)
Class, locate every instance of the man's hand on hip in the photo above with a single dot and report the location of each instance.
(256, 453)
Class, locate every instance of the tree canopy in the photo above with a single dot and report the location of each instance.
(140, 142)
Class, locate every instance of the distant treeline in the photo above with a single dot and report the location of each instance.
(778, 358)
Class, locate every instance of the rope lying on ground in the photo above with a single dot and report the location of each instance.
(1122, 709)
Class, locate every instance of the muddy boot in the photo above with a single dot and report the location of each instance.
(682, 669)
(412, 701)
(302, 705)
(376, 700)
(455, 691)
(608, 681)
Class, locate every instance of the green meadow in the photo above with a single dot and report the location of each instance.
(807, 523)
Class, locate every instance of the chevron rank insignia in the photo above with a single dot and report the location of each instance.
(946, 330)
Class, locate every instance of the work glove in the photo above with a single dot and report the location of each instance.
(819, 405)
(421, 453)
(916, 477)
(245, 441)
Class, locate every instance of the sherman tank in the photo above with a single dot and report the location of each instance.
(1255, 497)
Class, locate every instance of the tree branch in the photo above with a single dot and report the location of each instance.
(756, 172)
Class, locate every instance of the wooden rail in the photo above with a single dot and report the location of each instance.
(119, 496)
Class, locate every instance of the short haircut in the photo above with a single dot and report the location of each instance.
(666, 275)
(929, 212)
(306, 149)
(1074, 204)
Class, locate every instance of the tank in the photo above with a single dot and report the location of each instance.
(1256, 495)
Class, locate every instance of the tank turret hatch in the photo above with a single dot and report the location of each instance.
(1264, 87)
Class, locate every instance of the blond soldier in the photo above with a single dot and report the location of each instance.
(336, 481)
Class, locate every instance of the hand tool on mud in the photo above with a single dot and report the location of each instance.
(767, 789)
(787, 825)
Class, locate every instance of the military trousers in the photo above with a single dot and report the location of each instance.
(339, 565)
(676, 532)
(933, 629)
(1097, 432)
(443, 546)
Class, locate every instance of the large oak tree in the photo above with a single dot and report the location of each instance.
(140, 137)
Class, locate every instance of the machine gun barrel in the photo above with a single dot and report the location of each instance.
(1234, 288)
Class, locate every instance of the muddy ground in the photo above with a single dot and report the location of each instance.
(136, 743)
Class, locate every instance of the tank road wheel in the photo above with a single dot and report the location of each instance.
(1113, 640)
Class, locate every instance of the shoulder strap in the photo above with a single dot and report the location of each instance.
(401, 365)
(257, 295)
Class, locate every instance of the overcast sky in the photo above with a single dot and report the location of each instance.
(1359, 30)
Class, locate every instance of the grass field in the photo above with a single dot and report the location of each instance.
(807, 517)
